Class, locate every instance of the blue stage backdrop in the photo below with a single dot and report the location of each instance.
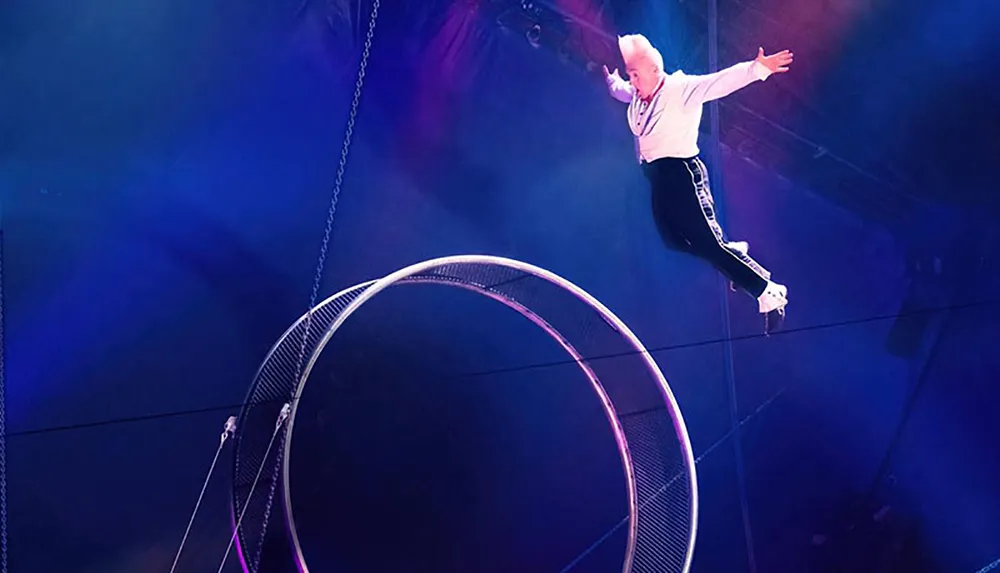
(166, 174)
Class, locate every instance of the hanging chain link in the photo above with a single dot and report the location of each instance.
(990, 567)
(275, 474)
(318, 279)
(3, 429)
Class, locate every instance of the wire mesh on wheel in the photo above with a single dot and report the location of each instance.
(275, 381)
(642, 413)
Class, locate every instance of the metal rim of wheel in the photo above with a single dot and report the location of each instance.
(646, 478)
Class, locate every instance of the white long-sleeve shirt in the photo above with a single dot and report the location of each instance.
(667, 125)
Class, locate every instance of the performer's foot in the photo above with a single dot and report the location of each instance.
(741, 247)
(772, 304)
(774, 296)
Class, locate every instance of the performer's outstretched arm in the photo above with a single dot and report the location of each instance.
(620, 89)
(700, 89)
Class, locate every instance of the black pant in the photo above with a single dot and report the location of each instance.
(684, 211)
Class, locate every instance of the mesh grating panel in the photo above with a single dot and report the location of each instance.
(663, 490)
(658, 450)
(272, 387)
(645, 418)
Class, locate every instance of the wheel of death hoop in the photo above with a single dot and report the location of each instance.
(641, 410)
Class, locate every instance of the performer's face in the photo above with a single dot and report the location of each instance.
(644, 77)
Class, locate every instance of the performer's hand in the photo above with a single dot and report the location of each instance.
(777, 63)
(613, 74)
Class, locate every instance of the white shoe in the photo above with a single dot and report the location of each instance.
(774, 297)
(741, 247)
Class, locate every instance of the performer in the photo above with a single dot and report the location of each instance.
(664, 113)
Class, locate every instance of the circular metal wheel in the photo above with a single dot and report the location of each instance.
(641, 410)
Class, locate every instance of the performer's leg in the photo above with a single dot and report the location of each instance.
(667, 227)
(664, 207)
(708, 240)
(665, 211)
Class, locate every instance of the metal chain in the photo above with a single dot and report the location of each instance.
(3, 429)
(317, 280)
(270, 500)
(990, 567)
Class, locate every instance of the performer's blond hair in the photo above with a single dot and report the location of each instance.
(637, 51)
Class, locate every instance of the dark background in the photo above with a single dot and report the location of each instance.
(166, 169)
